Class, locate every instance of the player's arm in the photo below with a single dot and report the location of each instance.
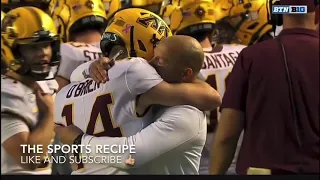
(177, 126)
(143, 79)
(198, 94)
(15, 132)
(232, 119)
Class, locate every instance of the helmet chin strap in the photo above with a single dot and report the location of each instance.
(132, 52)
(34, 74)
(154, 40)
(38, 75)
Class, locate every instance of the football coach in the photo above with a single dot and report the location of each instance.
(273, 95)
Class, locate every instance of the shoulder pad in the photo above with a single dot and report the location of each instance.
(19, 100)
(12, 86)
(66, 50)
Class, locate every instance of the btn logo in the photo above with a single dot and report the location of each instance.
(278, 9)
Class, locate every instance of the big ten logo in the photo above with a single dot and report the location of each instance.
(298, 9)
(156, 23)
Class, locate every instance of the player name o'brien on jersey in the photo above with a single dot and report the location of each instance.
(219, 60)
(82, 88)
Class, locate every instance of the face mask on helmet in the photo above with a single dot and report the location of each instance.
(250, 21)
(35, 49)
(224, 34)
(37, 57)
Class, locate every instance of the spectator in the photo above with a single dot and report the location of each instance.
(279, 111)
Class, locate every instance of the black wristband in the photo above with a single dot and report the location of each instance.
(78, 139)
(77, 142)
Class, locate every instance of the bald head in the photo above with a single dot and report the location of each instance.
(178, 59)
(185, 51)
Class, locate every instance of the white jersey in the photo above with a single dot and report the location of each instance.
(171, 145)
(74, 54)
(17, 100)
(217, 65)
(107, 109)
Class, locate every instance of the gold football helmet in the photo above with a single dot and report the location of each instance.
(250, 18)
(15, 32)
(222, 9)
(188, 16)
(136, 29)
(76, 15)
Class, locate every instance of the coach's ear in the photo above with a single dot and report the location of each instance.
(187, 75)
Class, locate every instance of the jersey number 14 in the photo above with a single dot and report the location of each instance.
(99, 110)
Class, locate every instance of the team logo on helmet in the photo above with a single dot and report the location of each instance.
(155, 22)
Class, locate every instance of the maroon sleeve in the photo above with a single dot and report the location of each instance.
(237, 86)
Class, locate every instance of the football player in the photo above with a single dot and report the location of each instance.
(80, 24)
(173, 143)
(197, 19)
(51, 83)
(132, 31)
(248, 19)
(29, 54)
